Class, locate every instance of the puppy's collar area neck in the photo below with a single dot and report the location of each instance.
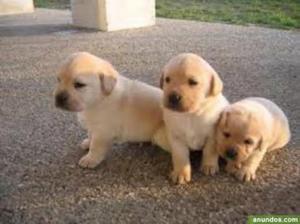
(210, 101)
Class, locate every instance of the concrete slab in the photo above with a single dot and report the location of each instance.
(8, 7)
(111, 15)
(40, 181)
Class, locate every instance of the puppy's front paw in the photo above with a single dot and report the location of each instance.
(85, 144)
(230, 168)
(210, 169)
(246, 174)
(182, 176)
(89, 161)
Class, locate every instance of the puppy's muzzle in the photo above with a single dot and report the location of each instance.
(174, 100)
(231, 153)
(61, 100)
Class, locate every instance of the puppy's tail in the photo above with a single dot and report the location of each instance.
(160, 138)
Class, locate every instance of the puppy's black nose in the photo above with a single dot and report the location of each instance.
(174, 99)
(61, 99)
(231, 153)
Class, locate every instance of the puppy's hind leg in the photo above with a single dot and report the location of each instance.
(160, 138)
(85, 144)
(96, 154)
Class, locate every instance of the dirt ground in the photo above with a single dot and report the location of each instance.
(40, 181)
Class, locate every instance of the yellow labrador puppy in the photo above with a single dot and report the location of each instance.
(246, 131)
(192, 103)
(111, 107)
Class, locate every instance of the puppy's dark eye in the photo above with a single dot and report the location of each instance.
(79, 85)
(192, 82)
(226, 134)
(248, 141)
(58, 79)
(168, 79)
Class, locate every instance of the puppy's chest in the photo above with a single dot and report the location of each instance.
(193, 131)
(196, 135)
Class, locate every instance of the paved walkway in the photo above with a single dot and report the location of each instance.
(39, 179)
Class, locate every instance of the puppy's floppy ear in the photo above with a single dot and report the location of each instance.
(108, 79)
(161, 81)
(216, 84)
(261, 145)
(223, 119)
(107, 83)
(262, 130)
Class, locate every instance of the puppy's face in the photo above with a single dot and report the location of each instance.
(238, 135)
(83, 80)
(187, 81)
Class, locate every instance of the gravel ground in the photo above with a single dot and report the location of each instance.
(40, 181)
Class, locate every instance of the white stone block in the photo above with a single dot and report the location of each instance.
(15, 6)
(109, 15)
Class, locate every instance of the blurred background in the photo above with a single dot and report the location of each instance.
(283, 14)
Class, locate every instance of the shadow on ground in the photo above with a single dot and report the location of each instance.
(34, 30)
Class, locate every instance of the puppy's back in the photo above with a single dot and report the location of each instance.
(280, 121)
(142, 111)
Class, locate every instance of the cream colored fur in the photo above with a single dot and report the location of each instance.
(111, 107)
